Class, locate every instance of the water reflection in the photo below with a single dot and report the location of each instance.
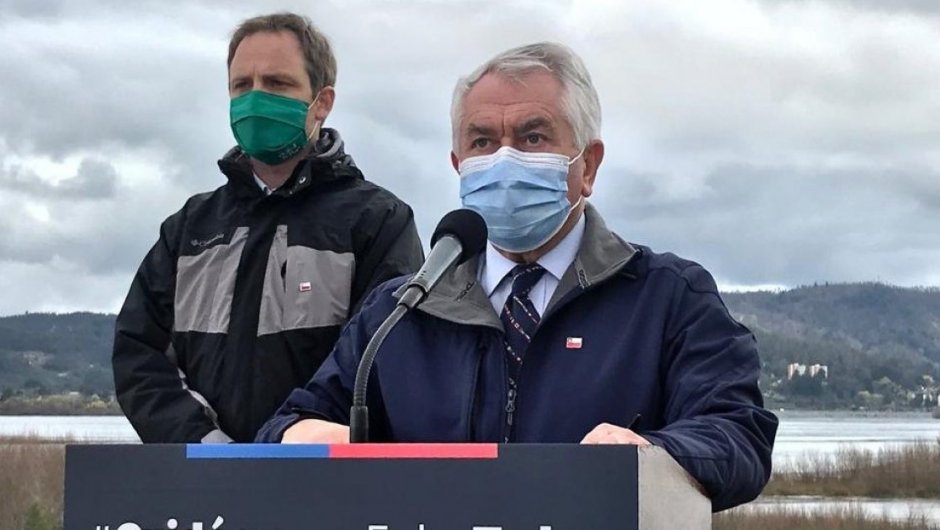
(800, 433)
(818, 434)
(94, 429)
(894, 509)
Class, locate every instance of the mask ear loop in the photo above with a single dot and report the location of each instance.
(581, 152)
(580, 197)
(316, 130)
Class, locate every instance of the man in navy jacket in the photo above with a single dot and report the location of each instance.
(560, 331)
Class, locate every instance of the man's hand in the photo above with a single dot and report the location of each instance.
(606, 433)
(316, 432)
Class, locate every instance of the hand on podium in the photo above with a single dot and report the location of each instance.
(316, 431)
(606, 433)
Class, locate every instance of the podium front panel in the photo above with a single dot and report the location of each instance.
(354, 487)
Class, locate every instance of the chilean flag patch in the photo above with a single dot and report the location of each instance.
(574, 343)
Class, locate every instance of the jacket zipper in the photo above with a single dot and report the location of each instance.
(475, 394)
(510, 410)
(512, 394)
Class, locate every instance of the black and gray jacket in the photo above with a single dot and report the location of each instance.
(244, 294)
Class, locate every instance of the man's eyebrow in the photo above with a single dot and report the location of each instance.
(533, 124)
(237, 79)
(482, 130)
(280, 76)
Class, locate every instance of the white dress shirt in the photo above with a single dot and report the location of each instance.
(494, 272)
(264, 187)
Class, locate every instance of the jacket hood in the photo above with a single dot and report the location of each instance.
(459, 297)
(326, 163)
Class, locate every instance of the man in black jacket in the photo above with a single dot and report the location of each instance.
(246, 290)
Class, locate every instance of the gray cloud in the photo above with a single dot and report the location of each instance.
(775, 142)
(793, 225)
(95, 179)
(26, 9)
(86, 237)
(917, 7)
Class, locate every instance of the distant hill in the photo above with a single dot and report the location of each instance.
(42, 353)
(879, 341)
(881, 345)
(868, 316)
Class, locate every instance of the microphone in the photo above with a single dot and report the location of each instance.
(460, 235)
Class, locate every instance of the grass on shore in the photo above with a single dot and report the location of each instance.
(910, 470)
(31, 484)
(790, 519)
(59, 405)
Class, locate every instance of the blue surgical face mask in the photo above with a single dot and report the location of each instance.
(523, 197)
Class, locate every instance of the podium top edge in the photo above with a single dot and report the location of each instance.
(441, 451)
(352, 451)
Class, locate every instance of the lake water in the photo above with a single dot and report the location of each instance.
(803, 434)
(92, 429)
(894, 509)
(800, 433)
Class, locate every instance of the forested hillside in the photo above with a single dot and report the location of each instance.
(881, 345)
(49, 354)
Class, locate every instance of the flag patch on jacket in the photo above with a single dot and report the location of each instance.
(574, 343)
(304, 287)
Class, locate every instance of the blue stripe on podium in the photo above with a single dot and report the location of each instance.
(257, 451)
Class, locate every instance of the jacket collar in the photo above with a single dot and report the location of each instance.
(326, 163)
(459, 298)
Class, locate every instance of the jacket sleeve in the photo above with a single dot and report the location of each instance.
(328, 395)
(387, 246)
(715, 423)
(148, 384)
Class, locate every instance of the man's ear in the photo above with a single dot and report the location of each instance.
(454, 161)
(324, 104)
(593, 156)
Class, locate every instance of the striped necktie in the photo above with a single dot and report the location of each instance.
(520, 319)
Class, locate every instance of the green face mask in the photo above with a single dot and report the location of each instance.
(269, 127)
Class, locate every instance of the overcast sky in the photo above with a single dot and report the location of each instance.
(778, 143)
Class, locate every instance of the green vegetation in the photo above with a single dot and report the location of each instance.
(59, 405)
(881, 345)
(39, 518)
(45, 355)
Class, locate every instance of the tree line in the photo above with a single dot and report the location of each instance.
(881, 344)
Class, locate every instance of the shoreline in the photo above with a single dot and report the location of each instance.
(60, 405)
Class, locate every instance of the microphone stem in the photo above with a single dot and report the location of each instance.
(359, 414)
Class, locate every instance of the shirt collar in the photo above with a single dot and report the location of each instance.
(264, 187)
(556, 261)
(494, 268)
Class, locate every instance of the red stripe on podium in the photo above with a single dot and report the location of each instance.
(469, 451)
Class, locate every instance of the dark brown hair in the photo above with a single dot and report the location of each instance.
(318, 55)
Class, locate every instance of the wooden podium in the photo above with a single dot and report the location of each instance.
(379, 487)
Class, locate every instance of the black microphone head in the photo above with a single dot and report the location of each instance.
(465, 226)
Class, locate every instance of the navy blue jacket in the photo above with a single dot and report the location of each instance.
(656, 341)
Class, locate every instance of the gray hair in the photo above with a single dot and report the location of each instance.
(581, 104)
